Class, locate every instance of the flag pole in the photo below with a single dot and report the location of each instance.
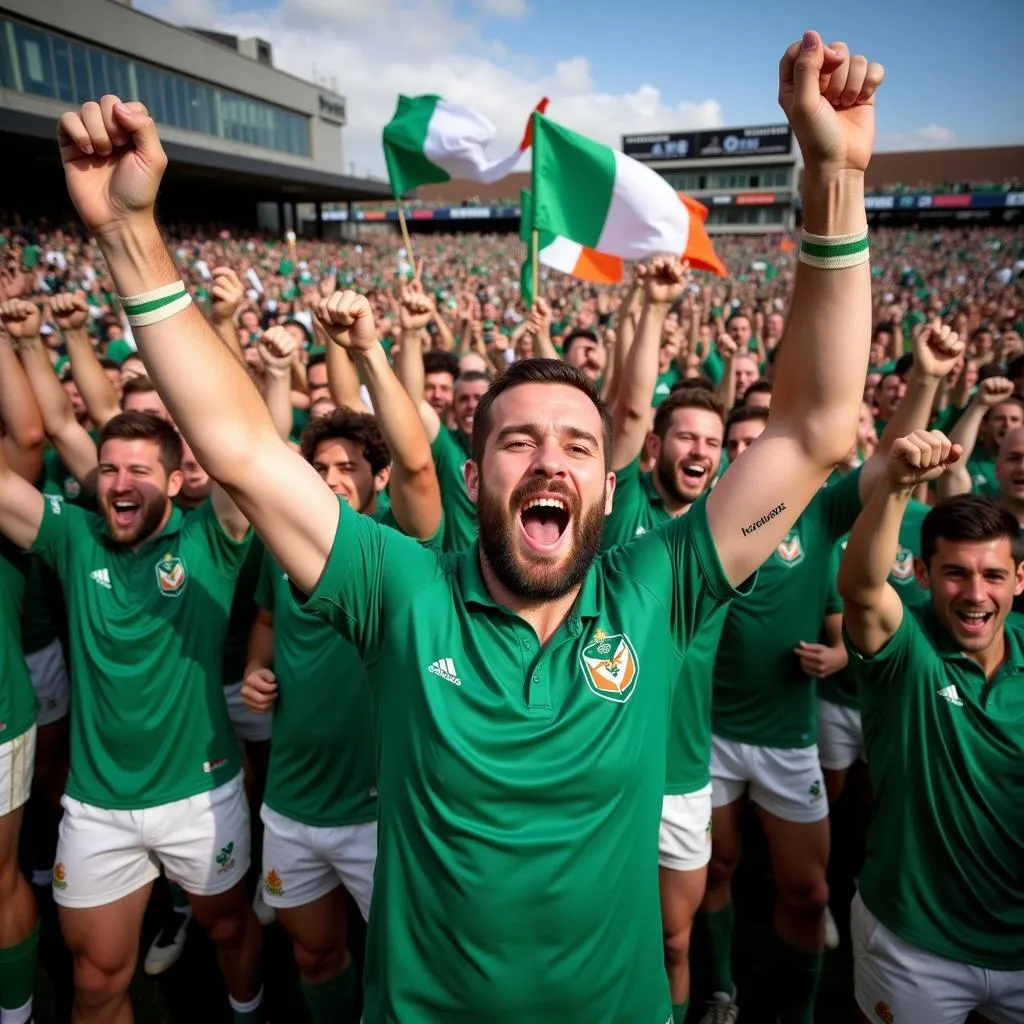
(405, 232)
(534, 244)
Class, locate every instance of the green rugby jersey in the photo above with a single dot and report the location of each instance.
(148, 720)
(761, 695)
(322, 759)
(841, 688)
(520, 786)
(17, 698)
(243, 612)
(451, 450)
(945, 750)
(982, 468)
(666, 382)
(638, 508)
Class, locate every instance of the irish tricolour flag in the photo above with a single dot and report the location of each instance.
(605, 201)
(430, 141)
(561, 254)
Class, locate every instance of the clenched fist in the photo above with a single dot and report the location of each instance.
(828, 97)
(226, 294)
(415, 310)
(921, 456)
(937, 350)
(277, 347)
(70, 311)
(113, 162)
(664, 279)
(259, 691)
(21, 319)
(727, 347)
(348, 321)
(994, 390)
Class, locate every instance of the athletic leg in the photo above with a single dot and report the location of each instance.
(19, 931)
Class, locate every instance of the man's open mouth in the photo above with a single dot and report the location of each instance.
(545, 522)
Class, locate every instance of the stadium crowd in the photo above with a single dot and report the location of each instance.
(651, 571)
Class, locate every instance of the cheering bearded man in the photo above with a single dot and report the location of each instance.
(521, 688)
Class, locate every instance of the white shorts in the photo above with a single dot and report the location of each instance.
(17, 763)
(897, 983)
(301, 863)
(50, 681)
(202, 842)
(840, 736)
(684, 839)
(785, 781)
(249, 727)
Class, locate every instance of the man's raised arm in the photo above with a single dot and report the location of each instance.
(347, 320)
(828, 97)
(872, 610)
(22, 437)
(113, 163)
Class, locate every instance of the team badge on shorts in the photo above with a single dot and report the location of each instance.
(815, 792)
(790, 550)
(272, 884)
(611, 666)
(884, 1013)
(171, 576)
(59, 881)
(226, 859)
(903, 568)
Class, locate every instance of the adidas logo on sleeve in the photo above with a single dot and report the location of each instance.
(102, 577)
(950, 693)
(445, 668)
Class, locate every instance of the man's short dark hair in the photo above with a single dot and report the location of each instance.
(1012, 400)
(473, 375)
(903, 365)
(572, 337)
(145, 426)
(319, 359)
(436, 361)
(699, 381)
(738, 316)
(969, 517)
(538, 371)
(137, 386)
(347, 425)
(988, 370)
(744, 414)
(108, 364)
(1015, 368)
(686, 398)
(760, 386)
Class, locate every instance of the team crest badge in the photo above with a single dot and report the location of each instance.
(59, 881)
(790, 550)
(272, 883)
(226, 859)
(611, 666)
(72, 488)
(171, 576)
(884, 1013)
(903, 567)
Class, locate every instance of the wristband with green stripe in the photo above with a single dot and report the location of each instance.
(156, 305)
(836, 252)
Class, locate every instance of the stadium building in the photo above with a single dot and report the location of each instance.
(746, 177)
(246, 142)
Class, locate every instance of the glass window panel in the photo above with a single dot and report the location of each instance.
(6, 72)
(36, 62)
(99, 74)
(62, 70)
(117, 75)
(80, 66)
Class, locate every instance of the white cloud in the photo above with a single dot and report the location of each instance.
(377, 49)
(929, 136)
(504, 8)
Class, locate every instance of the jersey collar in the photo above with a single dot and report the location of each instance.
(647, 482)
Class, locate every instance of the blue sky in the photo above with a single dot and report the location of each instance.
(954, 70)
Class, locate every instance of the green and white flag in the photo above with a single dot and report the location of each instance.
(605, 201)
(429, 141)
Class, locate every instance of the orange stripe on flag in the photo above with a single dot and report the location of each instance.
(598, 267)
(528, 134)
(699, 250)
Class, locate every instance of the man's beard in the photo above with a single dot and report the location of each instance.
(534, 583)
(152, 515)
(665, 469)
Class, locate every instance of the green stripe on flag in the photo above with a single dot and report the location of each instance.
(404, 137)
(573, 179)
(526, 234)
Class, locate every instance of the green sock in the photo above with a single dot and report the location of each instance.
(179, 898)
(717, 926)
(247, 1013)
(679, 1012)
(332, 1001)
(796, 983)
(18, 971)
